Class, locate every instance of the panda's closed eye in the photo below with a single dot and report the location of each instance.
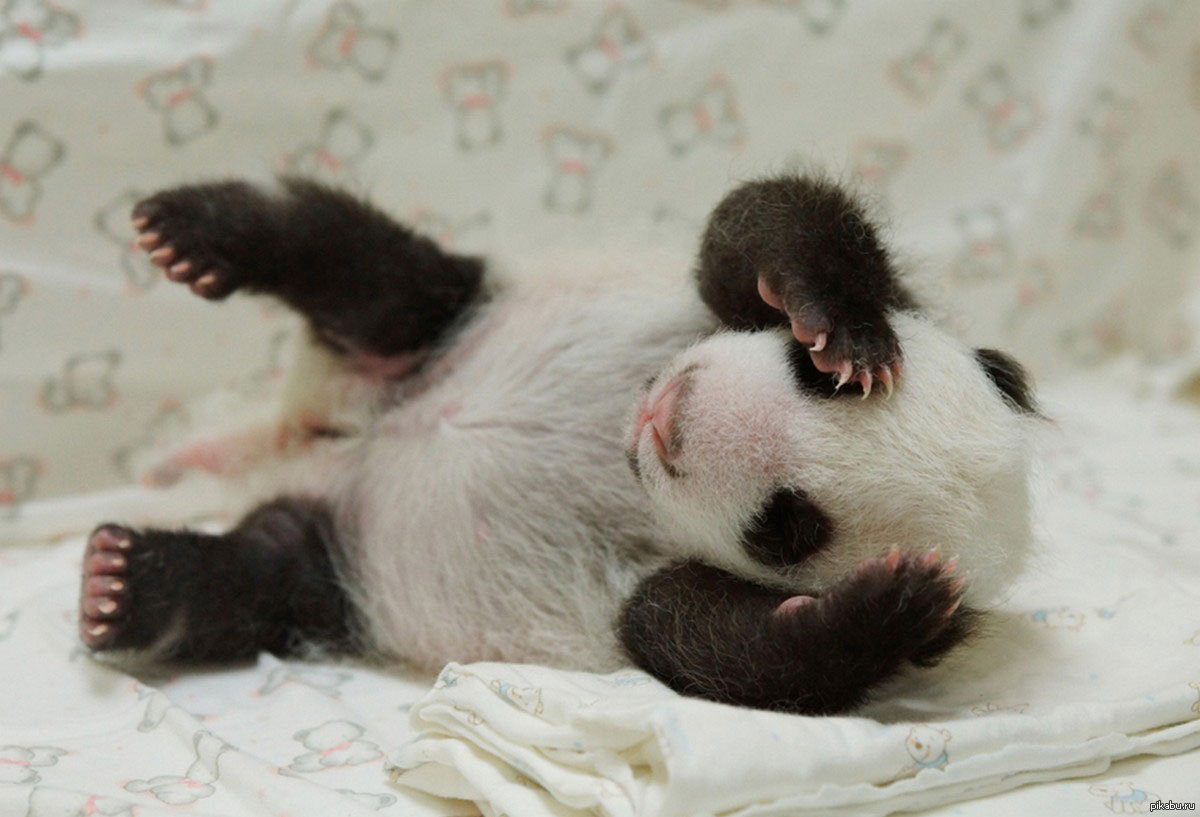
(789, 528)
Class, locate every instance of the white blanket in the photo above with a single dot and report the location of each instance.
(1095, 657)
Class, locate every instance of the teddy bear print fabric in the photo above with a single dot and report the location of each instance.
(1035, 160)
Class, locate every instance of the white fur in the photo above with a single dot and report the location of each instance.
(492, 514)
(488, 513)
(942, 464)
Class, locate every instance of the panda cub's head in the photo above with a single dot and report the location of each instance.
(753, 468)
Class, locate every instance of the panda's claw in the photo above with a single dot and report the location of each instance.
(889, 383)
(930, 558)
(844, 372)
(163, 256)
(180, 271)
(205, 285)
(953, 608)
(819, 343)
(148, 241)
(866, 380)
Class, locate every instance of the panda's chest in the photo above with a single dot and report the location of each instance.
(542, 365)
(516, 433)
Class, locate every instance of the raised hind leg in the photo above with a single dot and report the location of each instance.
(372, 289)
(269, 584)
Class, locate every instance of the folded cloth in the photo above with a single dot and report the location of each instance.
(1095, 657)
(533, 741)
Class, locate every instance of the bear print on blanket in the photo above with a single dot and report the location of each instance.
(777, 487)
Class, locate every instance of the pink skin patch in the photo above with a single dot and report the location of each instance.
(660, 418)
(383, 367)
(815, 340)
(789, 606)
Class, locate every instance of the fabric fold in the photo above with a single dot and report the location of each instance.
(530, 740)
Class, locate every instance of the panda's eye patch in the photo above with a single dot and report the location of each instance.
(787, 530)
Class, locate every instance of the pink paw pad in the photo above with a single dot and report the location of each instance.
(104, 593)
(814, 338)
(929, 563)
(793, 605)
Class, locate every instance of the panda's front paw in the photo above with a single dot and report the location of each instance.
(855, 345)
(894, 608)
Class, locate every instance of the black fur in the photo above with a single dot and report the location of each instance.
(1010, 378)
(808, 378)
(788, 529)
(366, 283)
(814, 246)
(707, 633)
(269, 584)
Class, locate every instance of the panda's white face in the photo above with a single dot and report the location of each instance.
(941, 464)
(712, 436)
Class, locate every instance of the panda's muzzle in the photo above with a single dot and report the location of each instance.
(661, 416)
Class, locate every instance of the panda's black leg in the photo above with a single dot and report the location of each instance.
(707, 633)
(269, 584)
(368, 285)
(800, 252)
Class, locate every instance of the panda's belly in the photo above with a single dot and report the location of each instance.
(493, 515)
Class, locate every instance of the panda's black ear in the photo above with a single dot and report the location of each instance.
(1010, 378)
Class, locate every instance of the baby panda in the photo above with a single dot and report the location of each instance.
(775, 486)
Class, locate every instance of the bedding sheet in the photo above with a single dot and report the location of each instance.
(1095, 658)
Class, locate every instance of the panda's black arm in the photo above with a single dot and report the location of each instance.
(711, 634)
(800, 251)
(366, 283)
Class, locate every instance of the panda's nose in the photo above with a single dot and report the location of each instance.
(663, 415)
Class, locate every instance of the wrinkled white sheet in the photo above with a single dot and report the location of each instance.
(1096, 657)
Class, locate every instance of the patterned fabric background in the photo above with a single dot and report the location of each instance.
(1036, 159)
